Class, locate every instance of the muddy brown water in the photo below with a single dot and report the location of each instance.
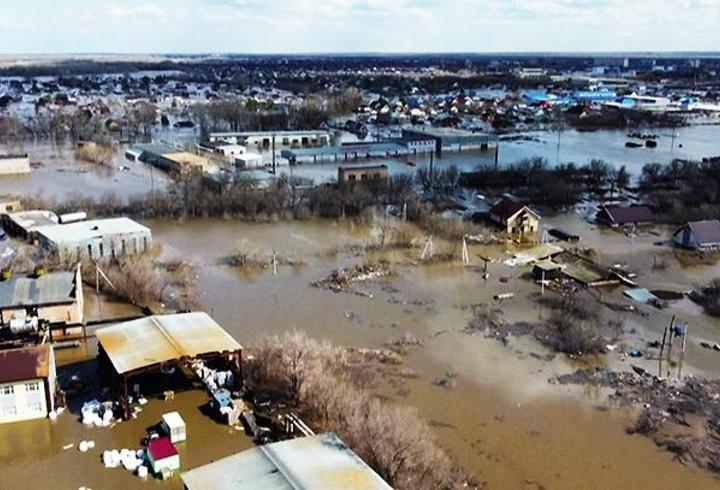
(502, 420)
(508, 425)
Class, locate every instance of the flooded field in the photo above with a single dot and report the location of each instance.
(56, 173)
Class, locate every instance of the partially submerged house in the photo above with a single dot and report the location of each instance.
(27, 383)
(96, 239)
(160, 344)
(308, 463)
(54, 297)
(699, 235)
(14, 164)
(515, 218)
(614, 215)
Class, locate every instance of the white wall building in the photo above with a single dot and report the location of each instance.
(14, 164)
(97, 238)
(27, 383)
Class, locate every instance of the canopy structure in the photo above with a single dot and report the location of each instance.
(160, 339)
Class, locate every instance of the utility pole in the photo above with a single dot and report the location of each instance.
(273, 153)
(682, 352)
(670, 343)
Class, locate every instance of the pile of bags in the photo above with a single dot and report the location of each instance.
(131, 460)
(97, 413)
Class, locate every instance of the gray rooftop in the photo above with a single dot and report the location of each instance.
(308, 463)
(52, 288)
(32, 219)
(82, 231)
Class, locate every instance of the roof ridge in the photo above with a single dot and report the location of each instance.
(165, 334)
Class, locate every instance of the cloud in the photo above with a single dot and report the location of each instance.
(361, 25)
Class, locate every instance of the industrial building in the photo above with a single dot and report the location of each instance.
(170, 159)
(54, 297)
(277, 139)
(27, 383)
(308, 463)
(96, 239)
(14, 164)
(23, 224)
(363, 173)
(450, 139)
(410, 145)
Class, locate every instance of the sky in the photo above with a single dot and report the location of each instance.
(335, 26)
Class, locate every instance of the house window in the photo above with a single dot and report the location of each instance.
(35, 407)
(144, 243)
(102, 250)
(7, 390)
(32, 386)
(9, 410)
(90, 250)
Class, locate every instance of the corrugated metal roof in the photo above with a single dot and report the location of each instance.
(321, 461)
(82, 231)
(161, 338)
(52, 288)
(706, 232)
(25, 363)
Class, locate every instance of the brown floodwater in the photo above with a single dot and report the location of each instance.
(502, 420)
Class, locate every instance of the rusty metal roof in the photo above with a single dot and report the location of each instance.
(25, 363)
(321, 461)
(161, 338)
(52, 288)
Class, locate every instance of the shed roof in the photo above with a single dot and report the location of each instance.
(82, 231)
(321, 461)
(155, 339)
(706, 232)
(51, 288)
(25, 363)
(631, 214)
(161, 448)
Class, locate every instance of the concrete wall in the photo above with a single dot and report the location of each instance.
(14, 165)
(24, 400)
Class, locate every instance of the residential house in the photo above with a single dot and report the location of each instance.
(699, 235)
(515, 218)
(27, 383)
(614, 215)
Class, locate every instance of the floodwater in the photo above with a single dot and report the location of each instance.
(690, 142)
(503, 421)
(56, 173)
